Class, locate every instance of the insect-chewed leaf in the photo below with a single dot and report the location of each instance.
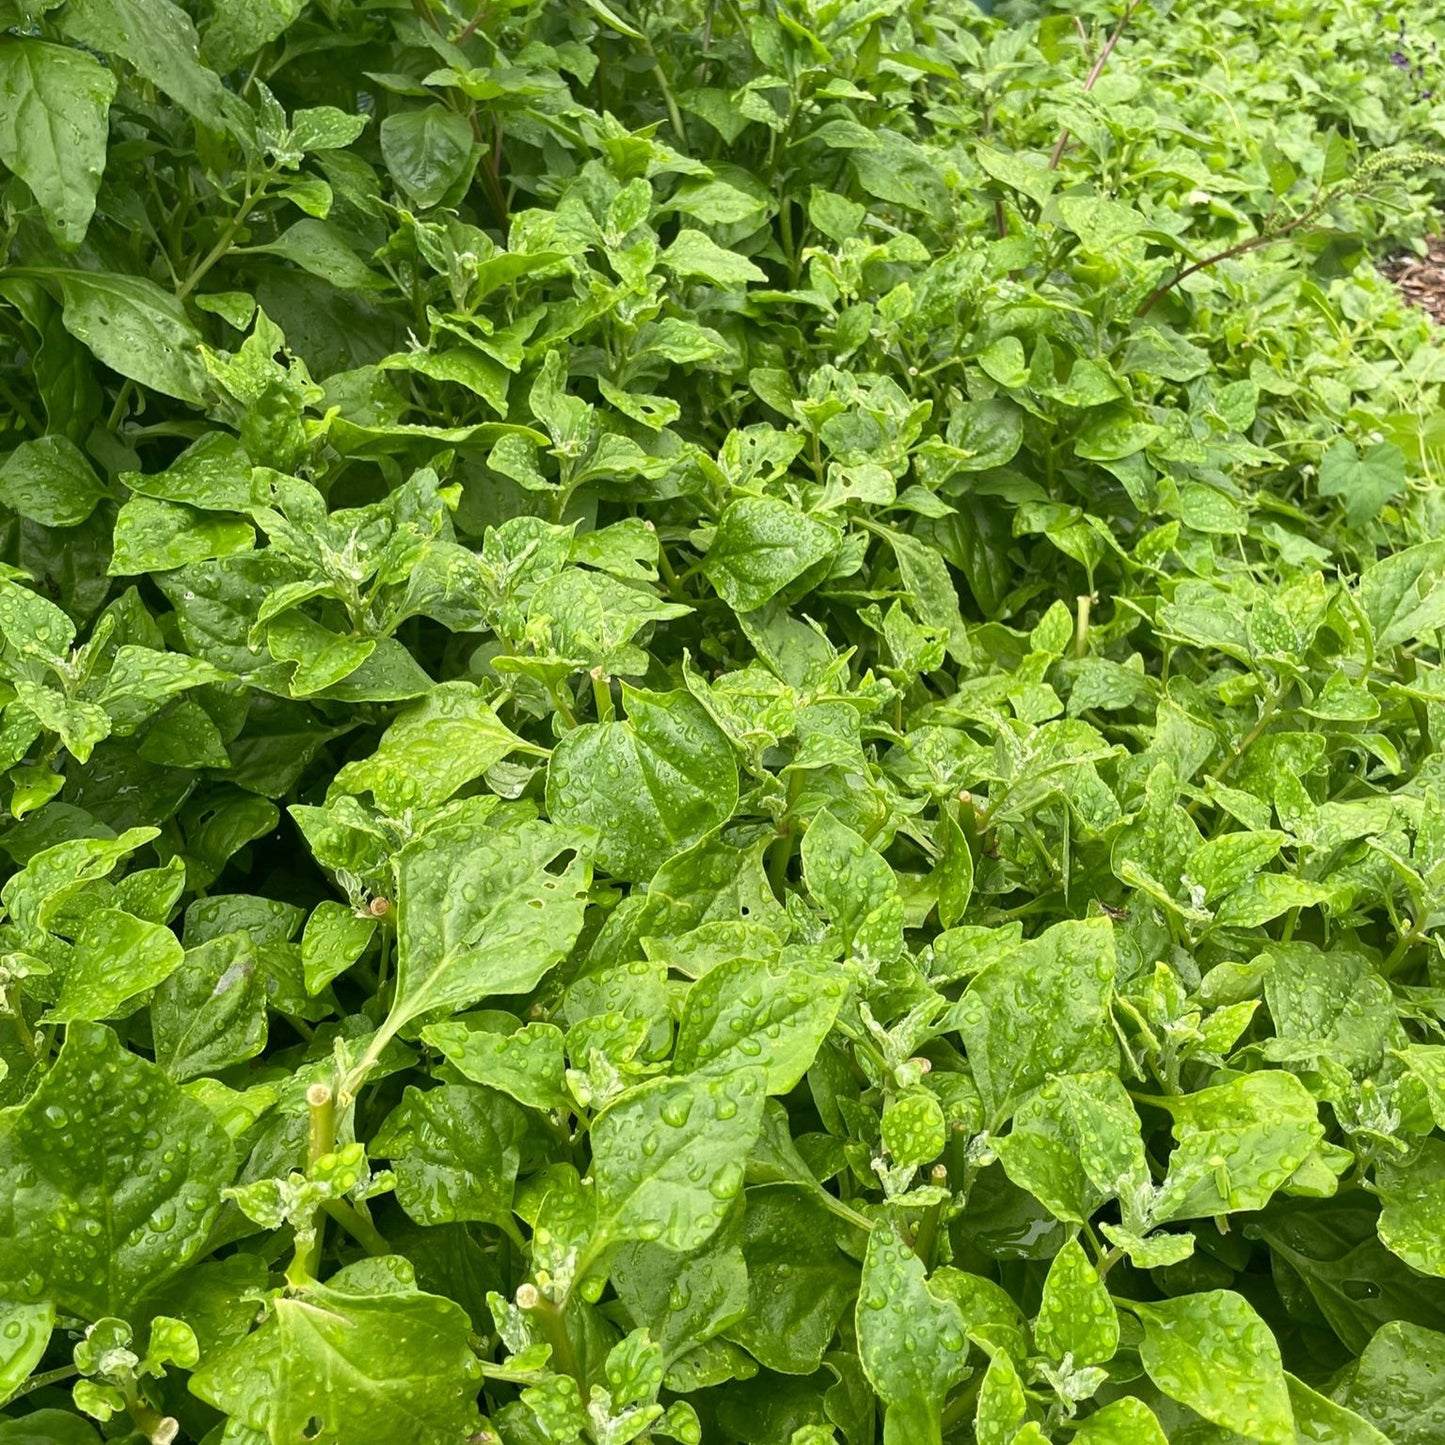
(410, 1374)
(480, 910)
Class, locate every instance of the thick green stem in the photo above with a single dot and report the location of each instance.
(358, 1226)
(602, 695)
(1085, 602)
(550, 1320)
(320, 1141)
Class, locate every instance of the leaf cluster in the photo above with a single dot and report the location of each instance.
(719, 722)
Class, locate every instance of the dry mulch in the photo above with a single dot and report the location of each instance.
(1422, 279)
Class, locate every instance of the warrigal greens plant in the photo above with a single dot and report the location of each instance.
(721, 721)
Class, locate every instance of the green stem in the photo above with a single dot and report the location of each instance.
(223, 243)
(122, 397)
(320, 1141)
(39, 1382)
(668, 99)
(157, 1428)
(602, 695)
(549, 1319)
(780, 851)
(836, 1206)
(962, 1403)
(925, 1245)
(358, 1226)
(1085, 602)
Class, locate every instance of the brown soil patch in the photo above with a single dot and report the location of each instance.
(1422, 279)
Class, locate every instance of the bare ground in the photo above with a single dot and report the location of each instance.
(1422, 279)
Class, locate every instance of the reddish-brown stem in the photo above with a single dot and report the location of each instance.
(1094, 74)
(1240, 248)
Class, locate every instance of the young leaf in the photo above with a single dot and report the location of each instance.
(910, 1339)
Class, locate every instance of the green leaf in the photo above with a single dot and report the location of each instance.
(760, 546)
(650, 786)
(1076, 1319)
(746, 1013)
(1002, 1405)
(798, 1282)
(111, 1179)
(25, 1331)
(694, 254)
(398, 1358)
(1318, 1418)
(1236, 1144)
(1100, 224)
(1398, 1383)
(211, 1012)
(318, 247)
(1040, 1011)
(955, 873)
(910, 1339)
(132, 326)
(529, 1064)
(1122, 1422)
(1213, 1353)
(855, 886)
(1366, 482)
(117, 958)
(428, 152)
(480, 911)
(1412, 1220)
(455, 1153)
(914, 1129)
(432, 749)
(159, 40)
(668, 1157)
(684, 1302)
(1403, 595)
(334, 939)
(1075, 1144)
(49, 481)
(239, 28)
(54, 124)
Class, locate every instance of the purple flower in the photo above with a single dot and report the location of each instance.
(1401, 59)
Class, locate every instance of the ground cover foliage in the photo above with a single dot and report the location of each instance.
(690, 753)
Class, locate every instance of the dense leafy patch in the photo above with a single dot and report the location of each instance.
(719, 723)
